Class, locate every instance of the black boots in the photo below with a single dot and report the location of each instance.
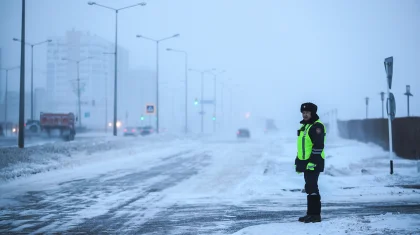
(313, 213)
(302, 219)
(312, 219)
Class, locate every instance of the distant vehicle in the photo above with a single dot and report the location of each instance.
(63, 123)
(270, 126)
(146, 130)
(131, 131)
(243, 133)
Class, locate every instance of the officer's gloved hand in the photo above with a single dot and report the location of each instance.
(297, 171)
(311, 166)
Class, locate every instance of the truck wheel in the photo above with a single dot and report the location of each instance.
(33, 129)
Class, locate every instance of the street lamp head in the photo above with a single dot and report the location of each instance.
(169, 49)
(407, 88)
(139, 36)
(142, 4)
(15, 39)
(64, 58)
(91, 3)
(49, 40)
(176, 35)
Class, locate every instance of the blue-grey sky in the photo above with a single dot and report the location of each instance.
(280, 52)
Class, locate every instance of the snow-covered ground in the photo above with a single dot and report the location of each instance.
(222, 171)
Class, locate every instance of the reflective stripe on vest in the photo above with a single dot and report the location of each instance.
(305, 143)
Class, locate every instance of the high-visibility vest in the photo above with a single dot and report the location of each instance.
(305, 144)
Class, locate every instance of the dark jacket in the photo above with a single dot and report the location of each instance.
(317, 137)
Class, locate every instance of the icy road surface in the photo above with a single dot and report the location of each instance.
(219, 185)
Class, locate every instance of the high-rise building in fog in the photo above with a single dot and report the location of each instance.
(96, 76)
(40, 101)
(12, 107)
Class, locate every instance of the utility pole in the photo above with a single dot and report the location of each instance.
(78, 86)
(202, 105)
(106, 103)
(222, 108)
(367, 105)
(78, 95)
(21, 138)
(382, 99)
(214, 104)
(408, 94)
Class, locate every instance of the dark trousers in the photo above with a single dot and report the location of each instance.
(313, 197)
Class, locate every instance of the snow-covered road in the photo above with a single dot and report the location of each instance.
(207, 185)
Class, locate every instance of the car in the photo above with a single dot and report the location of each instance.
(131, 131)
(146, 130)
(243, 133)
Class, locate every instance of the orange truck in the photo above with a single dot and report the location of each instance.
(61, 123)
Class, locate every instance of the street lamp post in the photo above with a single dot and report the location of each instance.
(382, 99)
(408, 94)
(5, 95)
(215, 74)
(157, 41)
(222, 104)
(32, 70)
(186, 85)
(202, 72)
(116, 53)
(78, 86)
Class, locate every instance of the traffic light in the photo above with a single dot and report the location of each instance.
(214, 118)
(196, 101)
(142, 118)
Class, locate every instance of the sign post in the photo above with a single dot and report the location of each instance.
(150, 109)
(388, 63)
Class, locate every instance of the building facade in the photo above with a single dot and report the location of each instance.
(93, 76)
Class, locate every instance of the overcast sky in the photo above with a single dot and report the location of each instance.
(280, 53)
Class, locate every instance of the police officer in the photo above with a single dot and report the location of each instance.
(310, 159)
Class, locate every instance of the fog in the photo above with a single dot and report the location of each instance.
(277, 54)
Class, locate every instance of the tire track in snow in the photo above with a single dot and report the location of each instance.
(72, 197)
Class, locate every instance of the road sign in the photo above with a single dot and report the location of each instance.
(207, 102)
(389, 63)
(150, 109)
(391, 106)
(87, 114)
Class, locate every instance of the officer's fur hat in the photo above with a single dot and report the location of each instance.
(309, 107)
